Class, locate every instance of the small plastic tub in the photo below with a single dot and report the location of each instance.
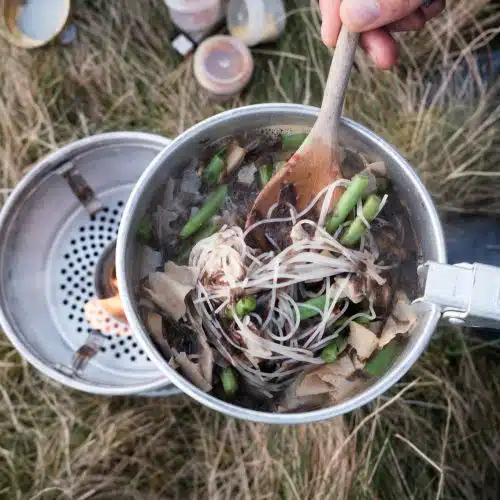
(223, 66)
(256, 21)
(193, 16)
(33, 23)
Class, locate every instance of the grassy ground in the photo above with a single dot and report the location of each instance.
(434, 435)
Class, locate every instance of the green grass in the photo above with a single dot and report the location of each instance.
(434, 435)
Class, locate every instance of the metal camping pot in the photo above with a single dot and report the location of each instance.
(457, 293)
(56, 230)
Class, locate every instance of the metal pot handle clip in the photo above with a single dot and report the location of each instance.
(468, 294)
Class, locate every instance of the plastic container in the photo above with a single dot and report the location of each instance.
(33, 23)
(223, 65)
(256, 21)
(193, 16)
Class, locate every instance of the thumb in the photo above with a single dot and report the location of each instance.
(362, 15)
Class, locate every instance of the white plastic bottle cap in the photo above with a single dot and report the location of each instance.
(223, 65)
(193, 16)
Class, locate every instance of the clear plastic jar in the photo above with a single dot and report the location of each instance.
(256, 21)
(193, 16)
(223, 66)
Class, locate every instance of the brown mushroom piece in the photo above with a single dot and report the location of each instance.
(400, 321)
(334, 380)
(362, 340)
(176, 342)
(169, 289)
(382, 296)
(351, 163)
(192, 371)
(154, 324)
(235, 157)
(207, 358)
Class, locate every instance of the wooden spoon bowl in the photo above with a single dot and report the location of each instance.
(317, 162)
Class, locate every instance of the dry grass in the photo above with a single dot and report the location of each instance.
(439, 439)
(57, 444)
(435, 435)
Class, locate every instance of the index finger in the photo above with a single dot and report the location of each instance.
(363, 15)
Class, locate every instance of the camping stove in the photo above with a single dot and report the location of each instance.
(57, 233)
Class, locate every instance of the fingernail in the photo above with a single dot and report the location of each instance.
(361, 13)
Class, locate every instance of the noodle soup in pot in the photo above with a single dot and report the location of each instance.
(295, 315)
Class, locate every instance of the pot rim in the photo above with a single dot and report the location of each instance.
(380, 386)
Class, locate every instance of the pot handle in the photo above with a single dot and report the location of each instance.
(468, 294)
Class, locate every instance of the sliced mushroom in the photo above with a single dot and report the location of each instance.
(192, 371)
(154, 324)
(358, 364)
(352, 163)
(256, 352)
(327, 383)
(164, 215)
(168, 289)
(376, 327)
(290, 401)
(330, 378)
(191, 181)
(382, 298)
(207, 358)
(362, 340)
(235, 156)
(378, 168)
(401, 320)
(372, 181)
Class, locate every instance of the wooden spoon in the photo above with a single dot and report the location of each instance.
(317, 162)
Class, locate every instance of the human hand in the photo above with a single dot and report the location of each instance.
(375, 19)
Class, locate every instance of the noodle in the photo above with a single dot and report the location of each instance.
(242, 271)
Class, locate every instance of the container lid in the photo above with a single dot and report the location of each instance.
(223, 64)
(189, 6)
(32, 23)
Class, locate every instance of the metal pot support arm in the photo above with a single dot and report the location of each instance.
(468, 294)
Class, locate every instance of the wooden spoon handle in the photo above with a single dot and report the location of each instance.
(336, 84)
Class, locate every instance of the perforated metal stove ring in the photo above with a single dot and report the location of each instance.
(54, 230)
